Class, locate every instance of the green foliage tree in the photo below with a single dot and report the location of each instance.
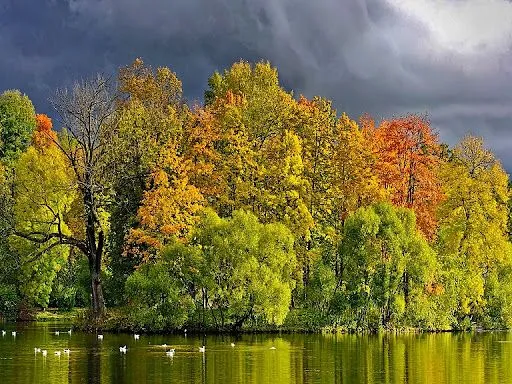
(156, 299)
(41, 209)
(17, 123)
(248, 267)
(386, 265)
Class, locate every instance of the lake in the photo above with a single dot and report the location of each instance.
(425, 358)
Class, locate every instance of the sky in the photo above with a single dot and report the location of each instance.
(450, 59)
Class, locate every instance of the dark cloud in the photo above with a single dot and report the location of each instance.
(367, 55)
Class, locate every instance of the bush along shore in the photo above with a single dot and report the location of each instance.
(255, 210)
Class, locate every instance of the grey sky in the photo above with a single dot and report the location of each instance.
(449, 58)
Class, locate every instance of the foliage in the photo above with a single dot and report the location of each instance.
(169, 207)
(9, 301)
(155, 298)
(41, 207)
(147, 122)
(386, 267)
(473, 219)
(17, 122)
(71, 286)
(247, 268)
(257, 210)
(408, 159)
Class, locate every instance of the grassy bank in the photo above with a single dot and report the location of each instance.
(53, 314)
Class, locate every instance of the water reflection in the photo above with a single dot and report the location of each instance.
(425, 358)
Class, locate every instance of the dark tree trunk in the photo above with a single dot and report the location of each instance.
(98, 302)
(406, 289)
(94, 252)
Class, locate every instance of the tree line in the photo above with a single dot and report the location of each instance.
(255, 208)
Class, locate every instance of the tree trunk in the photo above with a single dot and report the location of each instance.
(94, 250)
(98, 303)
(406, 289)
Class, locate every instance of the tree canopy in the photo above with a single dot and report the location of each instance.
(257, 208)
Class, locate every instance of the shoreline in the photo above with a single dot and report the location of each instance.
(80, 321)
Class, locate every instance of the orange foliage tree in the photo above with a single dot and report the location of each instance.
(44, 135)
(408, 159)
(169, 208)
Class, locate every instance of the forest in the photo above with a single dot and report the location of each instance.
(255, 209)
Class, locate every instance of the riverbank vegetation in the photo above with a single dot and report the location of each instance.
(255, 209)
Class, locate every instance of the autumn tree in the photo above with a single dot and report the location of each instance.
(85, 111)
(354, 182)
(316, 125)
(219, 146)
(169, 207)
(40, 211)
(408, 156)
(473, 238)
(242, 138)
(148, 121)
(338, 166)
(257, 152)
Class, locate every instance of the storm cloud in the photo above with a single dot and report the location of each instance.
(448, 58)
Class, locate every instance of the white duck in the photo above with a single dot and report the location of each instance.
(69, 332)
(136, 336)
(123, 349)
(202, 349)
(170, 353)
(13, 333)
(3, 333)
(44, 352)
(57, 353)
(100, 337)
(233, 345)
(57, 333)
(37, 350)
(66, 351)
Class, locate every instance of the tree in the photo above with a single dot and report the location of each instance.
(316, 126)
(9, 292)
(156, 298)
(148, 120)
(41, 209)
(85, 111)
(386, 266)
(222, 152)
(473, 237)
(407, 166)
(246, 113)
(252, 121)
(355, 183)
(247, 268)
(169, 207)
(17, 123)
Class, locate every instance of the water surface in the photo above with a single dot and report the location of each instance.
(426, 358)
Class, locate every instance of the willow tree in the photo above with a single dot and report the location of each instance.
(85, 111)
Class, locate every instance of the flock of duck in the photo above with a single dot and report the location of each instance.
(123, 349)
